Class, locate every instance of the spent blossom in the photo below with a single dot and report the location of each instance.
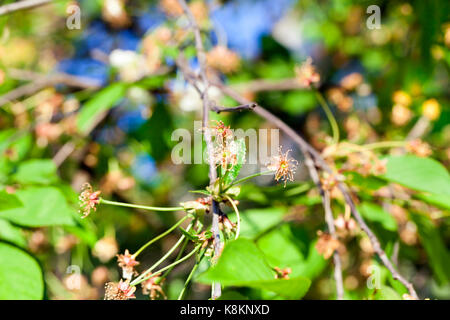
(119, 291)
(152, 287)
(88, 199)
(283, 166)
(225, 149)
(326, 245)
(223, 59)
(282, 273)
(419, 148)
(127, 262)
(306, 73)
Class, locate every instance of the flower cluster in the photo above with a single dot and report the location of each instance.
(306, 73)
(345, 226)
(119, 291)
(152, 287)
(366, 163)
(223, 59)
(283, 166)
(199, 206)
(226, 225)
(401, 114)
(326, 245)
(225, 149)
(419, 148)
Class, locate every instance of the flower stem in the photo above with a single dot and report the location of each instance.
(136, 281)
(157, 263)
(160, 236)
(136, 206)
(345, 148)
(238, 218)
(183, 247)
(191, 274)
(384, 144)
(248, 178)
(330, 116)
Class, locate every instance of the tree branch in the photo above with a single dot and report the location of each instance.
(40, 82)
(216, 289)
(248, 106)
(330, 222)
(22, 5)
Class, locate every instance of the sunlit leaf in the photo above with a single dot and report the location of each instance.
(101, 102)
(20, 275)
(242, 264)
(12, 233)
(36, 171)
(422, 174)
(42, 206)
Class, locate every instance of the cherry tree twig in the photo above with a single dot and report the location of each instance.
(40, 82)
(22, 5)
(319, 162)
(325, 194)
(216, 288)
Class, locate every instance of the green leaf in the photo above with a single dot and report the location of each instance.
(101, 102)
(9, 201)
(36, 171)
(375, 213)
(242, 264)
(240, 156)
(20, 275)
(435, 199)
(282, 248)
(11, 233)
(43, 206)
(369, 182)
(422, 174)
(438, 255)
(256, 221)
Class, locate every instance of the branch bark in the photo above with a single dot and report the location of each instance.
(40, 82)
(22, 5)
(330, 223)
(216, 288)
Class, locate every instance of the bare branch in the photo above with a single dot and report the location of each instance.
(248, 106)
(216, 289)
(330, 222)
(22, 5)
(40, 82)
(259, 85)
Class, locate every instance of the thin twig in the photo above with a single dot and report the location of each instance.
(22, 5)
(248, 106)
(43, 81)
(259, 85)
(216, 289)
(330, 222)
